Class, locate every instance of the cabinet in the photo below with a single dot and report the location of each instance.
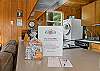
(91, 14)
(88, 14)
(95, 47)
(98, 12)
(54, 18)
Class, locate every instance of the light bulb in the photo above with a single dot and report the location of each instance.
(11, 22)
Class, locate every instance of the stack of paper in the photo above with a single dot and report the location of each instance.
(53, 62)
(58, 62)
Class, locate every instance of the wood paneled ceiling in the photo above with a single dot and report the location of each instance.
(42, 6)
(71, 3)
(77, 3)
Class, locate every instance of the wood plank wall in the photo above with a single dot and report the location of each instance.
(6, 15)
(8, 10)
(70, 11)
(40, 19)
(30, 7)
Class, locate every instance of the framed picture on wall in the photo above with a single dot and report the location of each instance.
(19, 22)
(19, 13)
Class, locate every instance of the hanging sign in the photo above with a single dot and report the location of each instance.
(52, 39)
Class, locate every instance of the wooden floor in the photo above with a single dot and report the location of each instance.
(82, 60)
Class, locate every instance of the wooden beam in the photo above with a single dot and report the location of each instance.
(30, 7)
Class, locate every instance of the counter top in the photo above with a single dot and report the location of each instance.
(81, 60)
(91, 41)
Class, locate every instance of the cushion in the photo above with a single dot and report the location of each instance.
(11, 49)
(5, 60)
